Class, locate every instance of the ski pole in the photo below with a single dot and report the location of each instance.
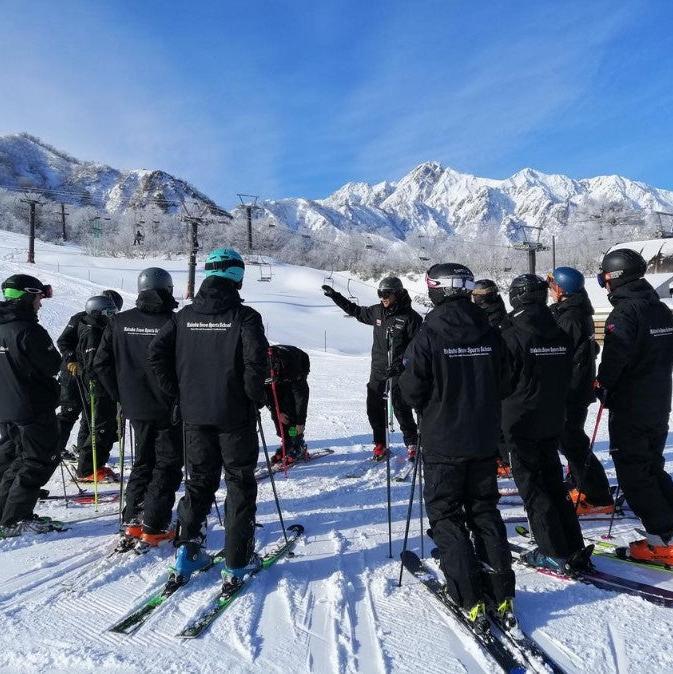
(121, 436)
(608, 536)
(408, 522)
(65, 495)
(587, 461)
(389, 429)
(419, 458)
(217, 510)
(92, 431)
(276, 406)
(273, 481)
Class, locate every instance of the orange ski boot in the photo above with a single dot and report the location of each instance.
(649, 550)
(152, 538)
(504, 470)
(380, 451)
(586, 508)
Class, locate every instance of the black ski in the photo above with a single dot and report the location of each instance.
(502, 655)
(606, 581)
(230, 590)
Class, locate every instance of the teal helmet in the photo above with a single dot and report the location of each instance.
(225, 263)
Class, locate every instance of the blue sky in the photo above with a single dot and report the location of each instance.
(295, 98)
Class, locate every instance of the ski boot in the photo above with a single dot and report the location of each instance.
(504, 470)
(235, 575)
(69, 455)
(152, 538)
(189, 558)
(652, 548)
(583, 507)
(104, 474)
(504, 612)
(129, 535)
(580, 560)
(537, 559)
(477, 617)
(32, 525)
(411, 452)
(380, 451)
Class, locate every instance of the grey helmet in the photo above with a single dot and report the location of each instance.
(100, 305)
(390, 284)
(115, 297)
(155, 278)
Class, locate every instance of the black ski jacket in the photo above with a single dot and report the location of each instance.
(28, 363)
(401, 319)
(213, 354)
(541, 362)
(67, 342)
(574, 316)
(292, 366)
(89, 336)
(121, 360)
(455, 375)
(638, 355)
(495, 311)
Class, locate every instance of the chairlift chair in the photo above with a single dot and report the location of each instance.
(329, 279)
(264, 271)
(351, 297)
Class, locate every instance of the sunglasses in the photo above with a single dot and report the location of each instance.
(385, 294)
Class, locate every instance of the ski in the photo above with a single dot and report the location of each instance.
(40, 525)
(263, 472)
(406, 471)
(362, 468)
(606, 581)
(231, 590)
(508, 661)
(522, 519)
(139, 616)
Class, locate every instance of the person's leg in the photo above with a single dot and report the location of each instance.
(489, 532)
(166, 477)
(405, 416)
(39, 458)
(240, 451)
(141, 472)
(376, 411)
(444, 493)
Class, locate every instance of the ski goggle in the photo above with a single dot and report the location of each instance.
(16, 293)
(453, 282)
(604, 277)
(385, 294)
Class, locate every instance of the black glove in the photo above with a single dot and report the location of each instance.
(176, 417)
(601, 393)
(394, 370)
(328, 290)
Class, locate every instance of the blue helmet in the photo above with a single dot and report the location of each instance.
(225, 263)
(568, 279)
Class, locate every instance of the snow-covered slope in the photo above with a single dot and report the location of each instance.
(335, 607)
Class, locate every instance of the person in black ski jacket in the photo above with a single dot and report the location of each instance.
(487, 297)
(573, 313)
(71, 396)
(28, 398)
(392, 318)
(533, 419)
(122, 367)
(635, 385)
(290, 367)
(456, 374)
(212, 354)
(101, 428)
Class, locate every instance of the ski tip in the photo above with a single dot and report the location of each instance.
(410, 560)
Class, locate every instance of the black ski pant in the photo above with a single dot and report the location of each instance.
(71, 408)
(35, 462)
(156, 473)
(208, 449)
(461, 499)
(106, 435)
(638, 454)
(8, 448)
(292, 400)
(586, 471)
(376, 411)
(537, 471)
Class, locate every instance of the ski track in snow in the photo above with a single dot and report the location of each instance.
(334, 606)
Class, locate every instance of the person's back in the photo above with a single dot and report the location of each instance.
(455, 370)
(213, 354)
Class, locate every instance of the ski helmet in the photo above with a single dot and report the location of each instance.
(448, 280)
(100, 305)
(225, 263)
(485, 291)
(621, 266)
(155, 278)
(568, 279)
(391, 284)
(18, 286)
(528, 289)
(115, 297)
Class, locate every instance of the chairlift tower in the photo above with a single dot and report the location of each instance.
(532, 247)
(249, 207)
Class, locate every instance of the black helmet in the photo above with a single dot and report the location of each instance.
(485, 291)
(448, 279)
(621, 266)
(18, 286)
(391, 284)
(115, 297)
(528, 289)
(155, 278)
(100, 305)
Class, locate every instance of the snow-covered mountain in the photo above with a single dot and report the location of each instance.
(27, 163)
(434, 199)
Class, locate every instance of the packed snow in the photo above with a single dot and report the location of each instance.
(335, 606)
